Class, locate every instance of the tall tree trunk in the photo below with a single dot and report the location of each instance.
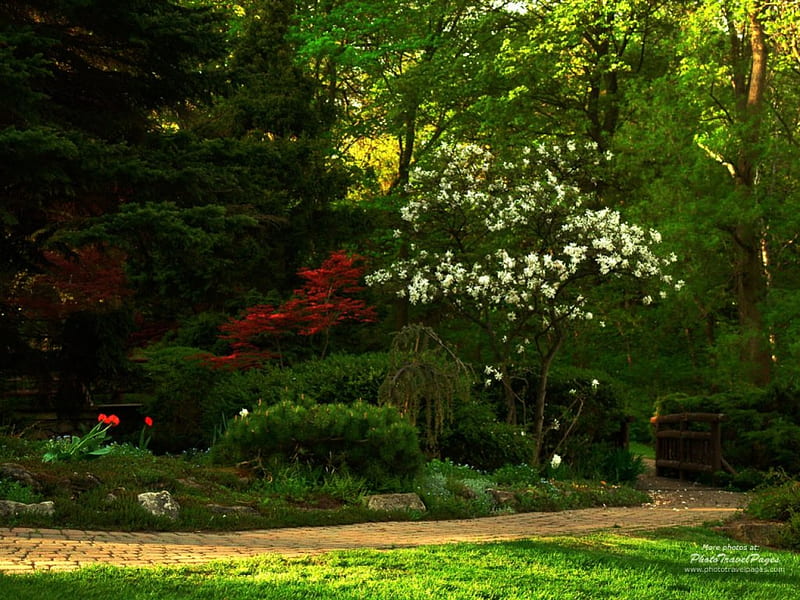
(749, 276)
(406, 143)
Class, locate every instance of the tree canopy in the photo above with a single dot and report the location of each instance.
(166, 164)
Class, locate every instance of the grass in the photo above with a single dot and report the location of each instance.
(647, 566)
(102, 493)
(643, 450)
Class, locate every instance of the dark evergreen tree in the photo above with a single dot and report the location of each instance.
(116, 136)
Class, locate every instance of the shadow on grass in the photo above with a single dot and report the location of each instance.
(648, 566)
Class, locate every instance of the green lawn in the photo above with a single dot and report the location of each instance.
(643, 450)
(650, 566)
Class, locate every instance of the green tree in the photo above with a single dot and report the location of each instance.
(401, 71)
(161, 129)
(717, 133)
(81, 84)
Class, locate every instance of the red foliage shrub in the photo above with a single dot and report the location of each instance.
(324, 300)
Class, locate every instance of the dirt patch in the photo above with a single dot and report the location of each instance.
(755, 532)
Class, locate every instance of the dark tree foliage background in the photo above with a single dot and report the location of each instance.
(149, 132)
(166, 165)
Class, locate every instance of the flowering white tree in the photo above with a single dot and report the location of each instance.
(511, 247)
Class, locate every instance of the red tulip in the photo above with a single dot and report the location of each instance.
(113, 420)
(101, 418)
(148, 421)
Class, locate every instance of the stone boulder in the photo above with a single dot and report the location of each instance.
(21, 475)
(504, 498)
(11, 508)
(160, 504)
(395, 502)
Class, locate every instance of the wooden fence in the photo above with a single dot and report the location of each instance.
(689, 442)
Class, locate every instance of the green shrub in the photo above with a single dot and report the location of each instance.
(180, 383)
(233, 391)
(607, 463)
(299, 482)
(200, 331)
(477, 438)
(338, 378)
(748, 479)
(368, 441)
(519, 476)
(791, 535)
(777, 503)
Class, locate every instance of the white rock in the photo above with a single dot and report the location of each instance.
(160, 504)
(9, 507)
(390, 502)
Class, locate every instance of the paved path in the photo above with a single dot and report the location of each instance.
(26, 550)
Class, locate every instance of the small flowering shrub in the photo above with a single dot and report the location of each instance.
(776, 503)
(453, 490)
(17, 492)
(460, 491)
(375, 443)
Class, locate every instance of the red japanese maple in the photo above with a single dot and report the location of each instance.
(324, 300)
(91, 278)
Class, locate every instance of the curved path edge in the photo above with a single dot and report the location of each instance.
(25, 550)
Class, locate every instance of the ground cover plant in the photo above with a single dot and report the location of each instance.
(101, 493)
(658, 565)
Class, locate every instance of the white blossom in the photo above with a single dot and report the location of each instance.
(544, 255)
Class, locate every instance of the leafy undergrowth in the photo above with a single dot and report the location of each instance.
(102, 493)
(780, 502)
(662, 565)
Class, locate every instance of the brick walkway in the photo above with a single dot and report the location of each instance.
(26, 550)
